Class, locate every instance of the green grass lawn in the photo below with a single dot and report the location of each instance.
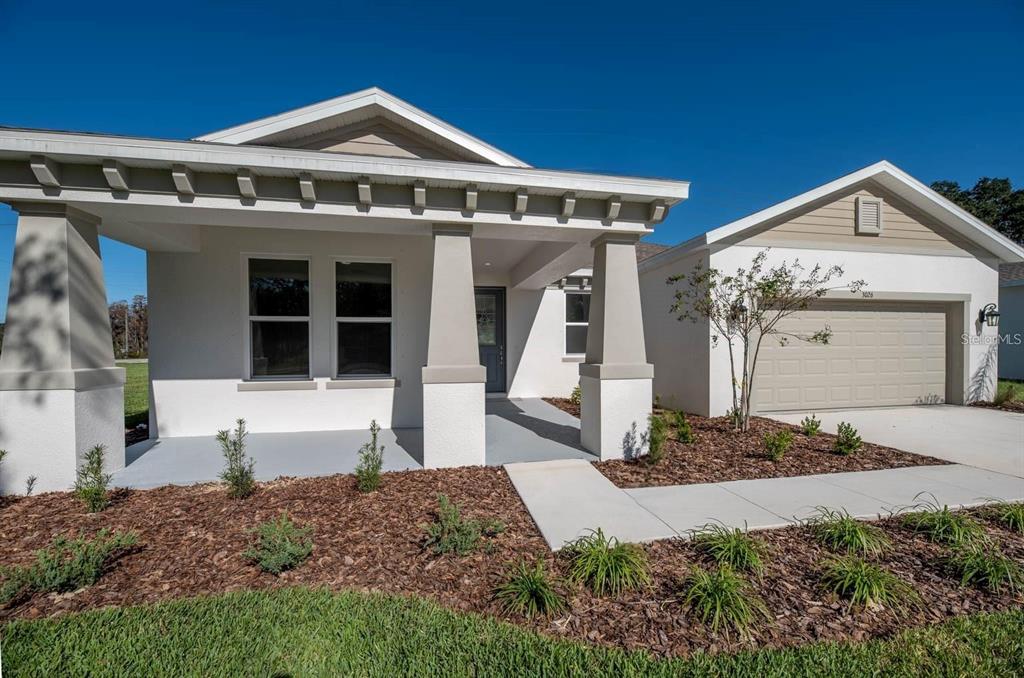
(136, 394)
(305, 632)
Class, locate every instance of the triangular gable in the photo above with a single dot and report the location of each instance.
(946, 215)
(369, 122)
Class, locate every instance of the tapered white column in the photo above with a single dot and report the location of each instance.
(615, 379)
(60, 392)
(453, 378)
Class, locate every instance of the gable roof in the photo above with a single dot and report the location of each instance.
(1011, 274)
(889, 177)
(358, 107)
(646, 250)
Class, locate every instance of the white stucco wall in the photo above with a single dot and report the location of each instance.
(883, 272)
(1011, 327)
(197, 335)
(677, 349)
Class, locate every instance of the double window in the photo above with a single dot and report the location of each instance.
(279, 318)
(577, 319)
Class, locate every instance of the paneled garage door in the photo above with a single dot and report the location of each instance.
(879, 354)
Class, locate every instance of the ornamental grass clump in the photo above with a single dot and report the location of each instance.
(733, 547)
(722, 599)
(280, 545)
(91, 482)
(943, 526)
(777, 444)
(839, 531)
(1005, 393)
(684, 429)
(606, 565)
(371, 460)
(451, 533)
(847, 440)
(862, 583)
(1009, 514)
(68, 564)
(238, 470)
(529, 592)
(810, 426)
(985, 566)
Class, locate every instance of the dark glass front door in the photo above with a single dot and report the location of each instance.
(490, 333)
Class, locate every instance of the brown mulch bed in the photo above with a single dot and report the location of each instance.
(135, 435)
(191, 541)
(719, 454)
(1010, 406)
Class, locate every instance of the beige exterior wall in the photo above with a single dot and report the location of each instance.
(373, 137)
(832, 226)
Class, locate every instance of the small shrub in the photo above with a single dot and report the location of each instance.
(722, 599)
(684, 429)
(847, 441)
(607, 565)
(732, 547)
(280, 545)
(986, 567)
(576, 397)
(66, 565)
(529, 592)
(1005, 393)
(777, 444)
(91, 482)
(371, 460)
(450, 532)
(943, 526)
(657, 436)
(862, 583)
(839, 531)
(810, 426)
(30, 485)
(1009, 514)
(238, 470)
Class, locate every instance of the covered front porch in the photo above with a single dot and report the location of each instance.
(518, 430)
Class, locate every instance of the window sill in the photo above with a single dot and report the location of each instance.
(269, 385)
(573, 358)
(372, 382)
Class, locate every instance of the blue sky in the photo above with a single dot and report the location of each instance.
(752, 102)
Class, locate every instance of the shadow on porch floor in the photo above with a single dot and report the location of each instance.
(518, 430)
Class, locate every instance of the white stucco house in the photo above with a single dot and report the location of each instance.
(351, 260)
(1011, 321)
(916, 334)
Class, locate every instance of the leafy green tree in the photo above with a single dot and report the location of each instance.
(993, 201)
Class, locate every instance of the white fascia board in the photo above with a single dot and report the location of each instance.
(205, 156)
(903, 185)
(252, 132)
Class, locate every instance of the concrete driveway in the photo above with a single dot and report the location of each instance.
(984, 438)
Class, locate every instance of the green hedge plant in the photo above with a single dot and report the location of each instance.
(371, 460)
(777, 444)
(847, 440)
(810, 426)
(280, 545)
(684, 429)
(91, 482)
(238, 469)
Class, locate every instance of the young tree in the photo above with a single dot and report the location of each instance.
(746, 307)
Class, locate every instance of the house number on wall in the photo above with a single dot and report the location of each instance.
(868, 295)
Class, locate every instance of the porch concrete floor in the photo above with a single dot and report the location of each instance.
(518, 430)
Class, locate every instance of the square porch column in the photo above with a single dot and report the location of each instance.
(453, 378)
(60, 391)
(616, 379)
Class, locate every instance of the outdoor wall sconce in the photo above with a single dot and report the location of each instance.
(989, 316)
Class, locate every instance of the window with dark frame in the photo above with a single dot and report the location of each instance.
(577, 319)
(363, 318)
(279, 318)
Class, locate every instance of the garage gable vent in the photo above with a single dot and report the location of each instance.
(869, 216)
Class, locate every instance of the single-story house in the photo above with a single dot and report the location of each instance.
(1011, 321)
(917, 333)
(353, 260)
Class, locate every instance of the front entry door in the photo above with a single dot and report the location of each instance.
(490, 332)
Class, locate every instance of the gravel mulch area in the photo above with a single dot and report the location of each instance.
(719, 454)
(191, 541)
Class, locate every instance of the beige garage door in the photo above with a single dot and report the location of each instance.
(880, 354)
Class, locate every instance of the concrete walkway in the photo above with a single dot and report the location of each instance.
(568, 498)
(976, 436)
